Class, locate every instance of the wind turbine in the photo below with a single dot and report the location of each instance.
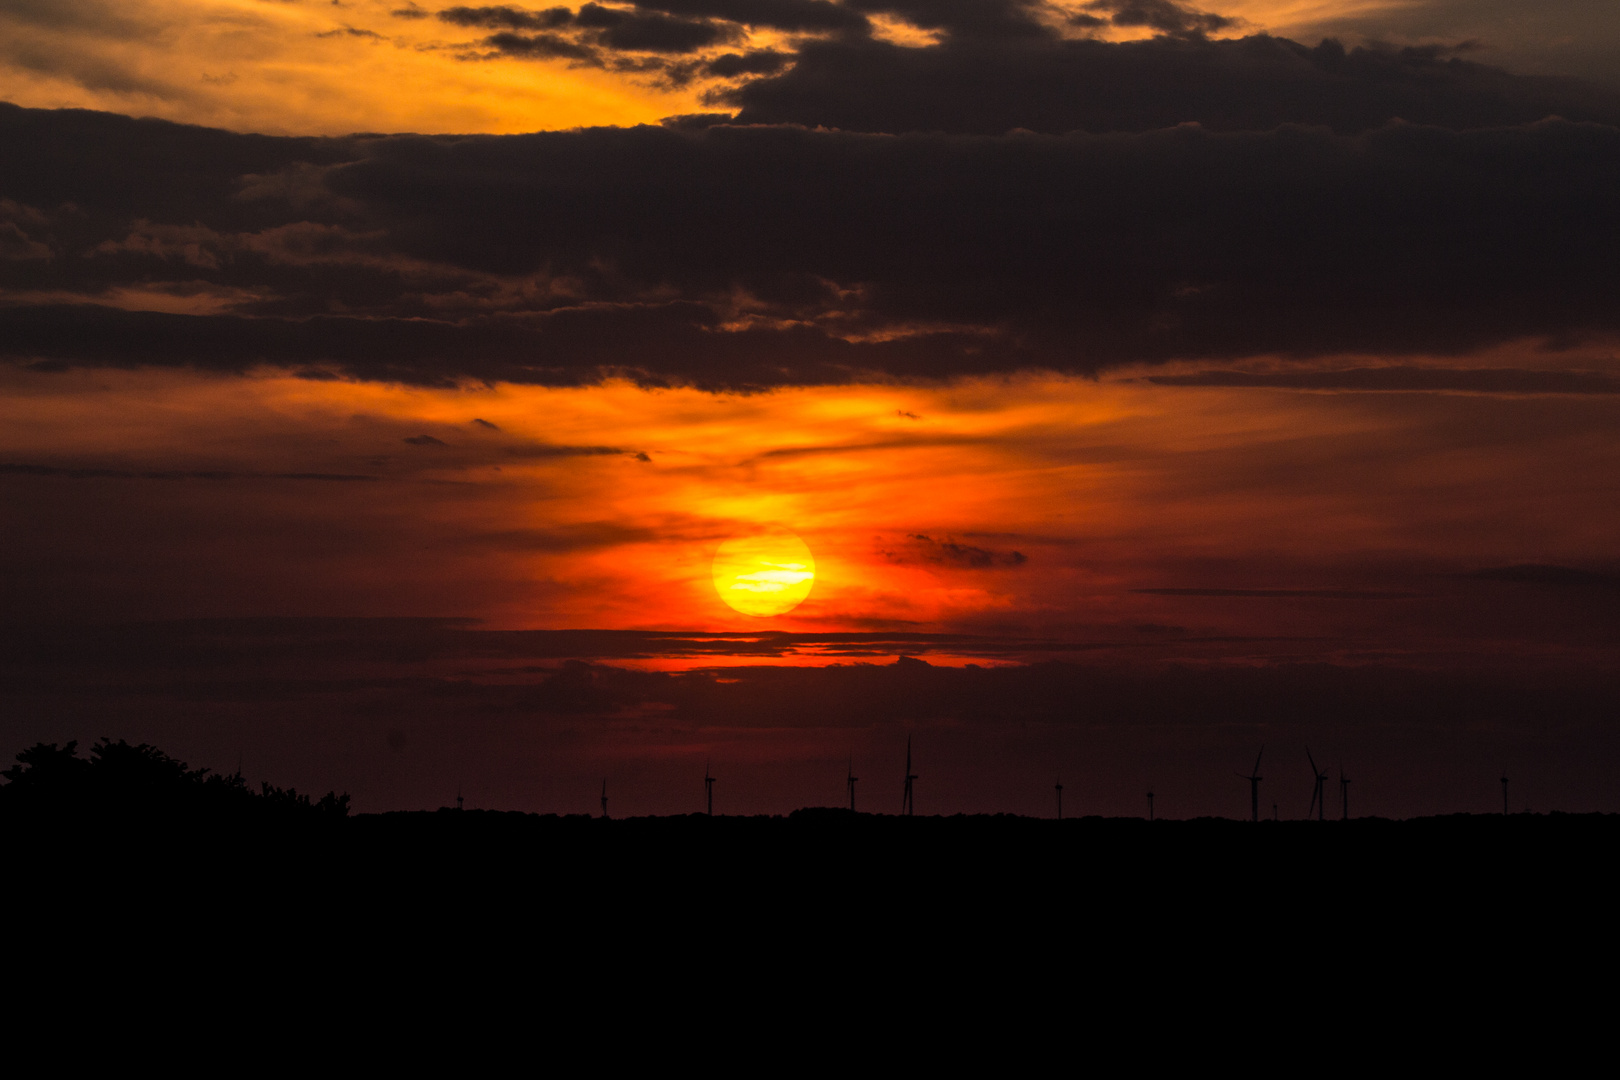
(1150, 806)
(907, 807)
(604, 797)
(708, 787)
(1059, 787)
(849, 782)
(1344, 795)
(1254, 779)
(1318, 790)
(1504, 793)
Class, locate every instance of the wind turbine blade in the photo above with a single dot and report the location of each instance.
(1312, 760)
(1257, 758)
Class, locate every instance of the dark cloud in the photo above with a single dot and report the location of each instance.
(566, 348)
(540, 47)
(98, 17)
(760, 256)
(1165, 16)
(94, 473)
(1052, 85)
(605, 27)
(542, 451)
(17, 223)
(350, 31)
(486, 424)
(968, 20)
(1556, 576)
(1285, 594)
(921, 548)
(758, 62)
(1399, 378)
(652, 32)
(1564, 37)
(508, 18)
(1003, 64)
(588, 536)
(528, 451)
(90, 69)
(423, 639)
(802, 15)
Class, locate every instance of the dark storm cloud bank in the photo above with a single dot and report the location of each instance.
(760, 256)
(1040, 84)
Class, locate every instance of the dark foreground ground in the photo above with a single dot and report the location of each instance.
(832, 865)
(976, 927)
(130, 829)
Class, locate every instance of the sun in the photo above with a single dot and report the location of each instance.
(765, 573)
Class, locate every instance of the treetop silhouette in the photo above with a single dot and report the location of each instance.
(141, 780)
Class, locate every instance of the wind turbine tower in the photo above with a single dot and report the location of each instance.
(1344, 795)
(1318, 791)
(604, 797)
(849, 782)
(1150, 806)
(708, 787)
(1504, 793)
(1059, 788)
(907, 807)
(1254, 779)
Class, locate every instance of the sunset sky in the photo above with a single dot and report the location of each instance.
(1149, 383)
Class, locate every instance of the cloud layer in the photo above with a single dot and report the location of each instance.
(734, 256)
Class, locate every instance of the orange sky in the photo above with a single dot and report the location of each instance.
(914, 499)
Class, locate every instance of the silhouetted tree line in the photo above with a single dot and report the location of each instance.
(143, 781)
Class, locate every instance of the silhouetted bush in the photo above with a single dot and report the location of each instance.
(141, 781)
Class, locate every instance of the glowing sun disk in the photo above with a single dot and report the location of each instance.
(767, 573)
